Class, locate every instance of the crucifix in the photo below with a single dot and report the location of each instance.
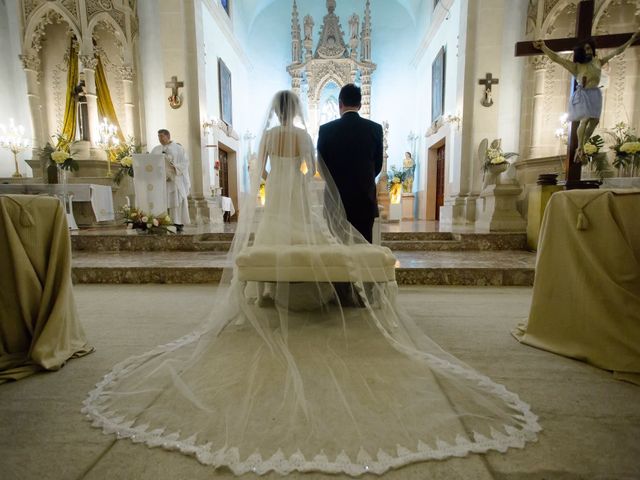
(584, 25)
(487, 101)
(175, 100)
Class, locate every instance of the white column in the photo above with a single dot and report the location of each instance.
(31, 65)
(127, 73)
(540, 65)
(89, 63)
(151, 71)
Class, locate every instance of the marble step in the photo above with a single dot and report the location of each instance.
(456, 241)
(495, 268)
(220, 242)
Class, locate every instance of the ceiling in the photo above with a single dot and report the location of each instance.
(251, 9)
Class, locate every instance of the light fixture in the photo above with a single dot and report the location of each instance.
(562, 132)
(454, 119)
(208, 125)
(12, 138)
(108, 140)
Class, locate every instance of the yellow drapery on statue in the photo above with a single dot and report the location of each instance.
(71, 104)
(105, 105)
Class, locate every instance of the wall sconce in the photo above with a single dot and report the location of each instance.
(209, 125)
(454, 119)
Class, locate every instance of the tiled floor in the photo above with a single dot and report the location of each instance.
(591, 422)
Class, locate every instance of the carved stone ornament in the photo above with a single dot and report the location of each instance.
(49, 18)
(89, 61)
(540, 62)
(30, 62)
(333, 61)
(126, 72)
(331, 44)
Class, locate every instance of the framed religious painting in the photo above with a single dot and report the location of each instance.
(438, 68)
(224, 87)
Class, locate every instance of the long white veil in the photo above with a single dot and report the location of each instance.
(308, 362)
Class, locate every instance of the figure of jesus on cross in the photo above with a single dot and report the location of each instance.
(585, 105)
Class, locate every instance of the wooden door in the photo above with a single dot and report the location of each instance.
(439, 180)
(223, 157)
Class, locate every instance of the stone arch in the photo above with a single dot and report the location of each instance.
(108, 19)
(34, 29)
(551, 18)
(330, 77)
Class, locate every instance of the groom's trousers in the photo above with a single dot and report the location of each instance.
(364, 226)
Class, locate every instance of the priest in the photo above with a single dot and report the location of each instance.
(178, 181)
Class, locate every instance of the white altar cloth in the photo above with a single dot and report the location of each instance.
(227, 205)
(99, 195)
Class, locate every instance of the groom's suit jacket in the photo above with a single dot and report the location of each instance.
(351, 148)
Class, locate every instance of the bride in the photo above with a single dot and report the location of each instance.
(298, 384)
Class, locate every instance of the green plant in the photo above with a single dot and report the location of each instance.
(594, 157)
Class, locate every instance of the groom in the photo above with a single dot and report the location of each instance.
(351, 148)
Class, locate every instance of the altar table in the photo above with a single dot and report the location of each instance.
(99, 196)
(586, 292)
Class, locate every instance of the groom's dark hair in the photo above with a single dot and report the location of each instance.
(350, 95)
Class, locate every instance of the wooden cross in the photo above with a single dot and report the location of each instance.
(174, 100)
(487, 101)
(584, 25)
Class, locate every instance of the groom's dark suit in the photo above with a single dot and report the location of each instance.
(351, 148)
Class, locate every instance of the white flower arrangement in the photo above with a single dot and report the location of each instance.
(140, 220)
(495, 156)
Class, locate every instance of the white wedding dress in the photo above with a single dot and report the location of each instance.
(334, 389)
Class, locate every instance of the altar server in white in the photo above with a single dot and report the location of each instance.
(178, 181)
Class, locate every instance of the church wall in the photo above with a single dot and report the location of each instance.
(444, 32)
(13, 88)
(395, 83)
(622, 76)
(219, 45)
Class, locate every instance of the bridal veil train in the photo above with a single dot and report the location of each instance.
(286, 375)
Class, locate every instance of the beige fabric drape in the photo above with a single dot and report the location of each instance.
(39, 325)
(586, 294)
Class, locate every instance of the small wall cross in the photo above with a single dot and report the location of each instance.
(175, 100)
(487, 101)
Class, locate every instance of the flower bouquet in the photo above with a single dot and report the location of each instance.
(394, 185)
(262, 191)
(123, 156)
(64, 161)
(495, 156)
(139, 220)
(60, 156)
(626, 148)
(395, 176)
